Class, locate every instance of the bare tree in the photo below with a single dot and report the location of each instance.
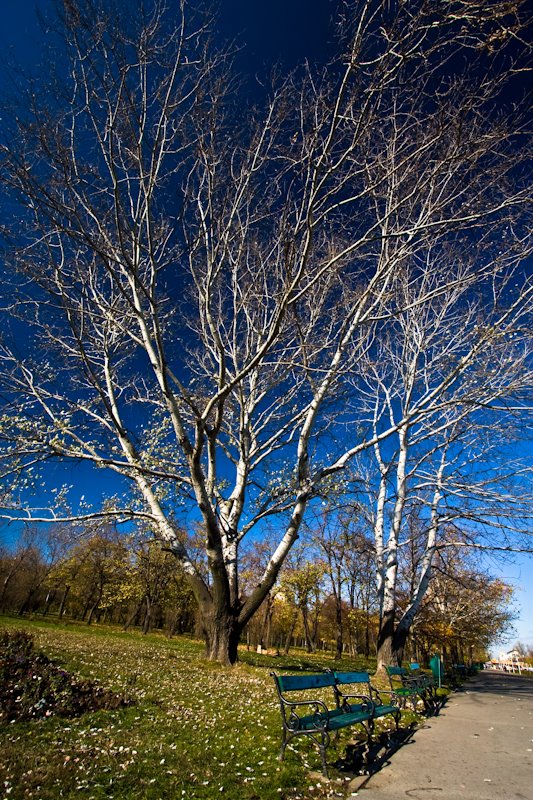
(333, 541)
(348, 557)
(455, 375)
(196, 291)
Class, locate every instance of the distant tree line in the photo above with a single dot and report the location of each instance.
(326, 598)
(97, 576)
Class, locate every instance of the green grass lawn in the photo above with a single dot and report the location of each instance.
(197, 730)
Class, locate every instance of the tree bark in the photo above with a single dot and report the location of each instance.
(25, 605)
(62, 605)
(222, 634)
(264, 633)
(309, 643)
(50, 597)
(94, 608)
(148, 616)
(290, 633)
(339, 644)
(385, 641)
(398, 644)
(132, 616)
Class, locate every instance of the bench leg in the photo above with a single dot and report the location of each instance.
(429, 706)
(284, 743)
(369, 742)
(431, 700)
(324, 742)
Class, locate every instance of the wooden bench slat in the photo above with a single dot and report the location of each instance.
(352, 677)
(298, 683)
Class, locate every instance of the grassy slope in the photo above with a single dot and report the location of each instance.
(197, 731)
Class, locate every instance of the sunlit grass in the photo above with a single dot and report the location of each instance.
(197, 730)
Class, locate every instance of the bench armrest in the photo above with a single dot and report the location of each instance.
(345, 698)
(376, 696)
(317, 708)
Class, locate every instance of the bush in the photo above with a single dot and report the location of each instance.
(32, 686)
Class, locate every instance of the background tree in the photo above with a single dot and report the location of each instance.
(97, 566)
(454, 389)
(254, 561)
(362, 595)
(25, 570)
(11, 565)
(144, 583)
(348, 558)
(465, 612)
(304, 584)
(333, 542)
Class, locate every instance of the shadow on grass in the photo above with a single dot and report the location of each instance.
(294, 662)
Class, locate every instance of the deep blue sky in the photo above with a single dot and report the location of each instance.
(270, 32)
(279, 30)
(284, 32)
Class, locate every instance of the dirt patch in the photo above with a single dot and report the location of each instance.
(33, 687)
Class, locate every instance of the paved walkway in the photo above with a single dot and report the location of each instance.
(480, 747)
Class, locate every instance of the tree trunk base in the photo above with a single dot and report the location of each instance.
(221, 642)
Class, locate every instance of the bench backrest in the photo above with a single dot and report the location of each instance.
(351, 677)
(396, 671)
(298, 683)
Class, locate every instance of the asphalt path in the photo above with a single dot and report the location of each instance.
(479, 747)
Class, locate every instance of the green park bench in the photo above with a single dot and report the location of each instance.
(460, 670)
(312, 716)
(459, 673)
(408, 688)
(362, 679)
(424, 680)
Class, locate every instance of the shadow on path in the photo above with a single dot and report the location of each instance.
(363, 760)
(360, 759)
(502, 683)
